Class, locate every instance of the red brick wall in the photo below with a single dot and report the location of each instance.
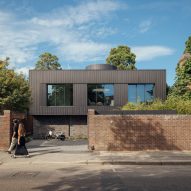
(139, 132)
(28, 122)
(29, 125)
(6, 127)
(5, 130)
(72, 126)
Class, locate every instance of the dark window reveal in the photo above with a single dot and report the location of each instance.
(60, 95)
(101, 94)
(138, 93)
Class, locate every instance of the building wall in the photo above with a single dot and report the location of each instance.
(6, 127)
(139, 132)
(73, 126)
(5, 130)
(80, 79)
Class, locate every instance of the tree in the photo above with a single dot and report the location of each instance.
(188, 45)
(122, 58)
(4, 63)
(14, 89)
(167, 89)
(48, 61)
(182, 85)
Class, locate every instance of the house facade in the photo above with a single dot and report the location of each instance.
(61, 98)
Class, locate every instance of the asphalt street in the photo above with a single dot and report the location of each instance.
(94, 177)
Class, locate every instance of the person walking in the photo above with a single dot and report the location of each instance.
(14, 139)
(21, 148)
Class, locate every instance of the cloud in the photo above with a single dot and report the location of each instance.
(86, 51)
(15, 40)
(4, 17)
(73, 32)
(103, 32)
(22, 38)
(84, 13)
(159, 5)
(146, 53)
(24, 70)
(144, 26)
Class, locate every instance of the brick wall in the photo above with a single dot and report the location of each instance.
(6, 127)
(72, 126)
(29, 125)
(28, 122)
(139, 132)
(5, 130)
(78, 126)
(42, 124)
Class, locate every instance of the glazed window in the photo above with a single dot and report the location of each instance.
(101, 94)
(138, 93)
(60, 95)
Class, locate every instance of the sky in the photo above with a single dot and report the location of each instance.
(82, 32)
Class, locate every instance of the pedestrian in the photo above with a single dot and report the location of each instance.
(14, 139)
(21, 148)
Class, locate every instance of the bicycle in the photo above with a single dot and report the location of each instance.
(56, 135)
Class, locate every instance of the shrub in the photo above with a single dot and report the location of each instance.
(181, 105)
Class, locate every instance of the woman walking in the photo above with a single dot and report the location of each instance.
(21, 149)
(14, 139)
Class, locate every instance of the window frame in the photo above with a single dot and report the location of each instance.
(136, 84)
(72, 86)
(104, 85)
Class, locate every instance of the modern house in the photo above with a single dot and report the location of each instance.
(61, 98)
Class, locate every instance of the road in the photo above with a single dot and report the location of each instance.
(94, 177)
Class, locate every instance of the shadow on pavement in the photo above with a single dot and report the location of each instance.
(80, 178)
(42, 147)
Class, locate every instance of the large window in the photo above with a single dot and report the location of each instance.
(140, 93)
(60, 95)
(100, 94)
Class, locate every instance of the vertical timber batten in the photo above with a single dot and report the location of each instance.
(80, 78)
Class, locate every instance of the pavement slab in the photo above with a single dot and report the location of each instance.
(76, 152)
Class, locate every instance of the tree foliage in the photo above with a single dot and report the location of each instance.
(122, 58)
(188, 45)
(47, 61)
(4, 63)
(180, 104)
(14, 89)
(182, 85)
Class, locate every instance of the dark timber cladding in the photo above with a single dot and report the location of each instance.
(80, 79)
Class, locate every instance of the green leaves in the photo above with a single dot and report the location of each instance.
(183, 80)
(4, 63)
(180, 104)
(48, 61)
(182, 85)
(188, 46)
(14, 91)
(122, 58)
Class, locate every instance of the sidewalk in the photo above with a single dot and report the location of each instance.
(76, 152)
